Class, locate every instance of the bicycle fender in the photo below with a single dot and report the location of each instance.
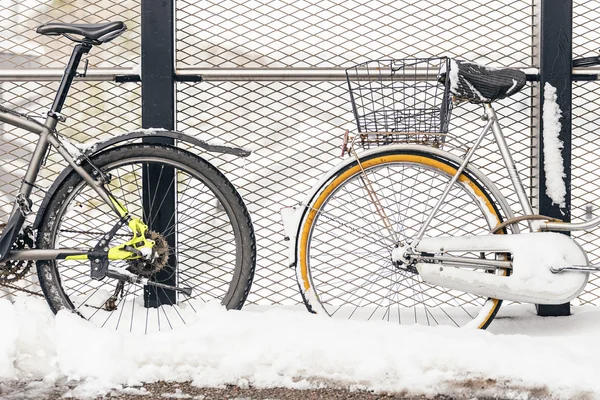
(290, 217)
(95, 148)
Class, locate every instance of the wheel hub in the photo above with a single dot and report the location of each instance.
(398, 254)
(401, 258)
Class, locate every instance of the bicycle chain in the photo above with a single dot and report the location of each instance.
(20, 289)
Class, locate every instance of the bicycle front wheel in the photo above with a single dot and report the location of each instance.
(202, 232)
(358, 216)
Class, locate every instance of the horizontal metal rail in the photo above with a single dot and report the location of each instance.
(271, 74)
(192, 74)
(302, 74)
(54, 74)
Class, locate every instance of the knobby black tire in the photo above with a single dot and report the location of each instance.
(228, 203)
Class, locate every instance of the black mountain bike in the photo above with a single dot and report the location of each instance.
(133, 234)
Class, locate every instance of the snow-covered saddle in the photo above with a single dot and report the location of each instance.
(480, 84)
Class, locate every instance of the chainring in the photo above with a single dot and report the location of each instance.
(14, 270)
(160, 257)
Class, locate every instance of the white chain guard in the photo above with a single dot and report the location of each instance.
(531, 280)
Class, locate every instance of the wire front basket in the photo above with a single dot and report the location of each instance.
(400, 101)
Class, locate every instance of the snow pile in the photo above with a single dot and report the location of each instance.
(286, 348)
(553, 161)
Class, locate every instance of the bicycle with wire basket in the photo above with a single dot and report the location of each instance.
(133, 232)
(411, 233)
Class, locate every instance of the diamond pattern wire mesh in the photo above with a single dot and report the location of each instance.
(94, 109)
(22, 47)
(295, 128)
(309, 33)
(585, 176)
(295, 131)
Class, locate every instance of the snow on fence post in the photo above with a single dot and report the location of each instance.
(158, 111)
(555, 61)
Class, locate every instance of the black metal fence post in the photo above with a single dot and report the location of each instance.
(556, 28)
(158, 111)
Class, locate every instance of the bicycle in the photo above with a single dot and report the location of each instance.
(411, 233)
(105, 243)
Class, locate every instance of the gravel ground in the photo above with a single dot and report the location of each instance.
(169, 390)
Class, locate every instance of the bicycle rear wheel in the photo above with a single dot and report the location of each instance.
(207, 243)
(344, 259)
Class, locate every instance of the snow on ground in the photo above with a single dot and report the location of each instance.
(287, 347)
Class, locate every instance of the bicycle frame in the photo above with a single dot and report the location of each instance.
(493, 125)
(48, 137)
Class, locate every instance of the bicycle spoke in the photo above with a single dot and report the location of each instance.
(163, 199)
(358, 228)
(122, 308)
(139, 191)
(132, 313)
(364, 211)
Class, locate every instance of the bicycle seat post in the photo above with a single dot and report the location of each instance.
(65, 83)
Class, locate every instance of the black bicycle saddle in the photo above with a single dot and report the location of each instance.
(480, 84)
(96, 33)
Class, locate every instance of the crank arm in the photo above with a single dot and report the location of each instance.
(124, 275)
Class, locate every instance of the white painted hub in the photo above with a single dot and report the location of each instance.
(398, 254)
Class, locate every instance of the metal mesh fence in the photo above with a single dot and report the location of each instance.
(294, 127)
(22, 47)
(584, 189)
(295, 131)
(309, 33)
